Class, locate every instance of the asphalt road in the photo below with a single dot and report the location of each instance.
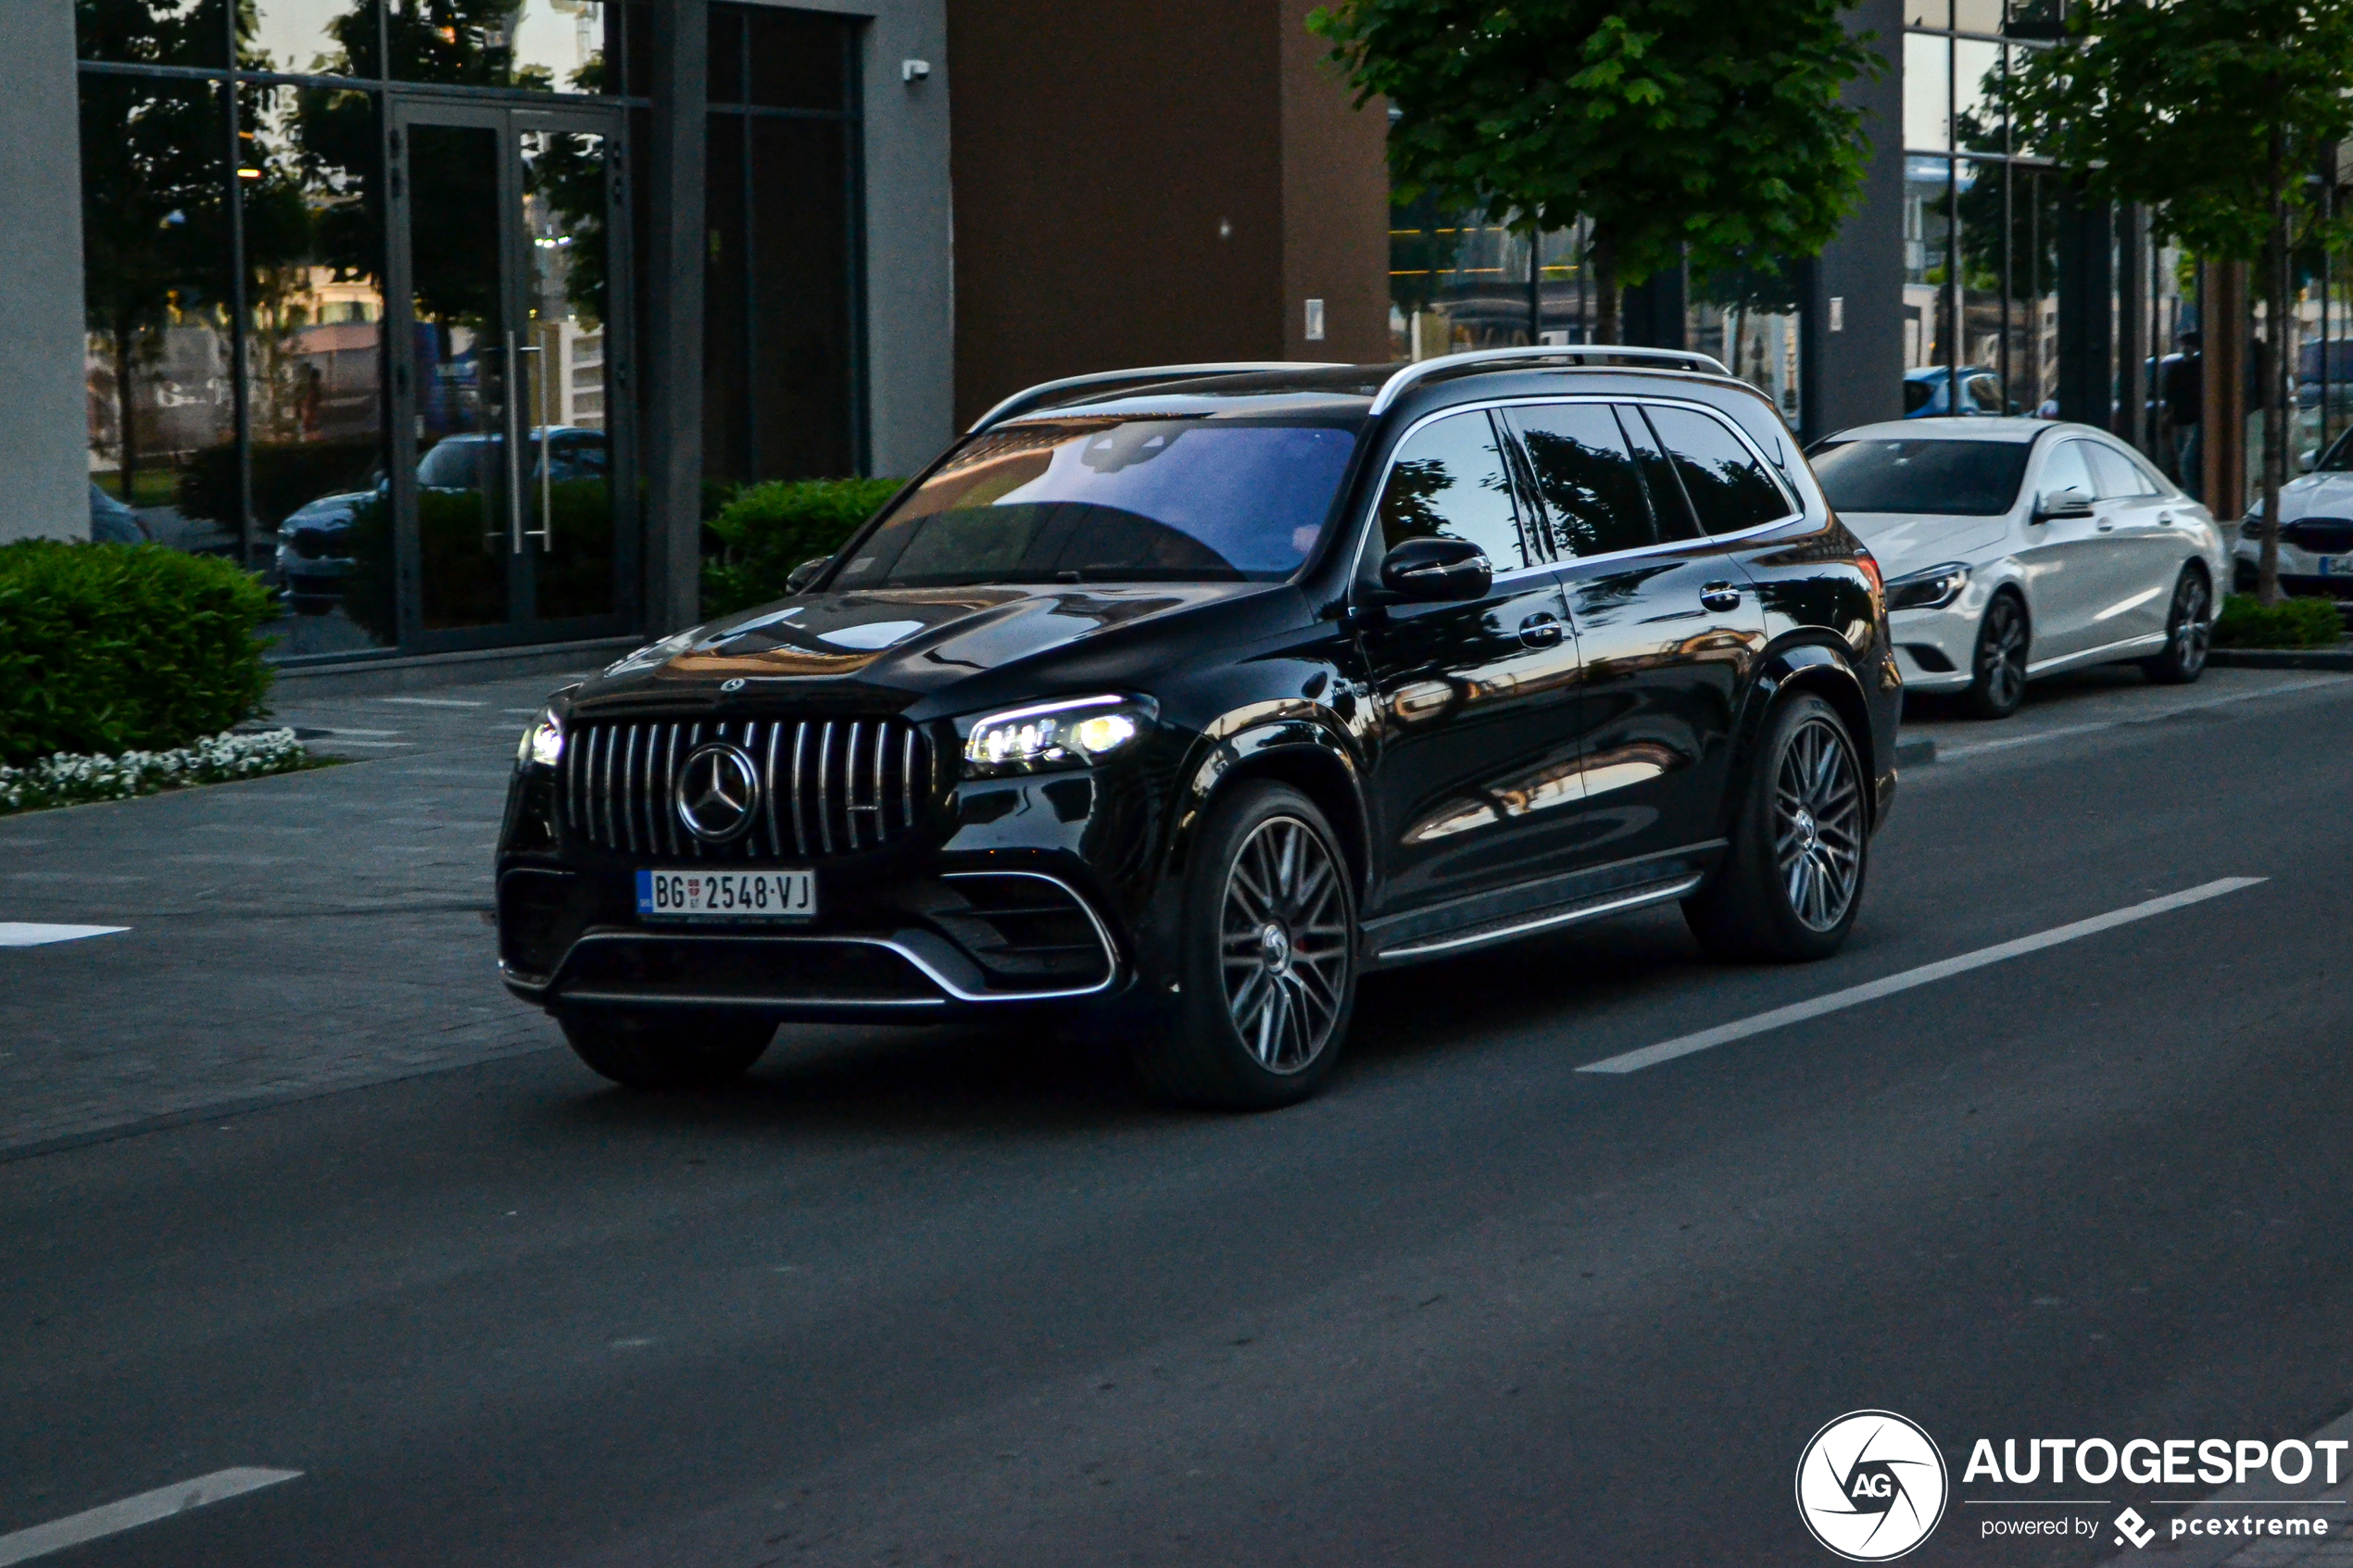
(920, 1298)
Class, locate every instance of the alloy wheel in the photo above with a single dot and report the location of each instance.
(1283, 944)
(1818, 824)
(2001, 654)
(2193, 627)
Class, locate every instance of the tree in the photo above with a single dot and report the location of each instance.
(1678, 127)
(2213, 113)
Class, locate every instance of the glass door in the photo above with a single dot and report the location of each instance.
(512, 487)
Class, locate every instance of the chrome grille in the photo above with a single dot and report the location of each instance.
(828, 786)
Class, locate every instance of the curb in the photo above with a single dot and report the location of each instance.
(2281, 658)
(1915, 751)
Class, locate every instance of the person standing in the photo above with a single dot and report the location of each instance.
(2185, 395)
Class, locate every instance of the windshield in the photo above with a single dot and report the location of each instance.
(1952, 478)
(1110, 500)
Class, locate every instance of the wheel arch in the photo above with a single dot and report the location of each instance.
(1298, 752)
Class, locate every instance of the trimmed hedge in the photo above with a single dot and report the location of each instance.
(2245, 622)
(769, 529)
(108, 648)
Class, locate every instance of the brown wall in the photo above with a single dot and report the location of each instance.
(1152, 181)
(1335, 203)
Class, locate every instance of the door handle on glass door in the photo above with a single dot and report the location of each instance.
(1720, 595)
(1541, 630)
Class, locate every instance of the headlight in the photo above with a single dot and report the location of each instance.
(1074, 733)
(543, 743)
(1932, 589)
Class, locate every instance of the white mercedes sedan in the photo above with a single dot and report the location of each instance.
(2017, 548)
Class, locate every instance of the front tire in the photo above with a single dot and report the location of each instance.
(1793, 879)
(659, 1051)
(1999, 663)
(1267, 961)
(2189, 631)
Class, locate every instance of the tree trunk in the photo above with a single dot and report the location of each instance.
(2275, 443)
(1605, 291)
(127, 470)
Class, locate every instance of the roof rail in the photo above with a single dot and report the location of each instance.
(1484, 358)
(1021, 402)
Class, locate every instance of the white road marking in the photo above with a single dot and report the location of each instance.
(17, 934)
(132, 1512)
(339, 744)
(379, 733)
(1855, 995)
(1948, 754)
(435, 701)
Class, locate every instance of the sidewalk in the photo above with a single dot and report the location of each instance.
(287, 935)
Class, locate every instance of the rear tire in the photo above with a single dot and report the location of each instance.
(1793, 879)
(2189, 631)
(1998, 664)
(657, 1051)
(1266, 959)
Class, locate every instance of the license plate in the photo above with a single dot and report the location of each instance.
(702, 894)
(2336, 566)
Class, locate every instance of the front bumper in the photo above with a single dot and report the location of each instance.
(1935, 648)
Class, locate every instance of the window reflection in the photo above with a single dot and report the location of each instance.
(156, 291)
(161, 32)
(310, 37)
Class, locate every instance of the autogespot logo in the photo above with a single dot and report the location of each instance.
(1871, 1485)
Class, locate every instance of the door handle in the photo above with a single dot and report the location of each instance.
(546, 532)
(2165, 520)
(1541, 630)
(1720, 595)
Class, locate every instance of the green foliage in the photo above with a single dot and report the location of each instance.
(1672, 125)
(2212, 112)
(108, 648)
(769, 529)
(2246, 623)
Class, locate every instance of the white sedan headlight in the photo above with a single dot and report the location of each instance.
(1073, 734)
(1932, 589)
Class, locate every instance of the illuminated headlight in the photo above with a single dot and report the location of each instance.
(1932, 589)
(543, 743)
(1054, 734)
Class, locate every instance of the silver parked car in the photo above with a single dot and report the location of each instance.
(2016, 548)
(2316, 531)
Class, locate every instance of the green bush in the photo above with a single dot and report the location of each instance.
(286, 475)
(769, 529)
(108, 648)
(2291, 624)
(463, 548)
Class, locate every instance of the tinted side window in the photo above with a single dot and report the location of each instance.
(1585, 478)
(1669, 508)
(1449, 480)
(2116, 473)
(1729, 488)
(2066, 469)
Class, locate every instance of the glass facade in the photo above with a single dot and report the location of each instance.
(2017, 296)
(782, 304)
(360, 283)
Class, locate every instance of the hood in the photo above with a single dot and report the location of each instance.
(2315, 495)
(1908, 542)
(906, 641)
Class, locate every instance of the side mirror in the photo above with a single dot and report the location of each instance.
(2069, 502)
(1435, 570)
(805, 573)
(2307, 459)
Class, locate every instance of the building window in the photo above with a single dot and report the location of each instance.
(783, 358)
(233, 177)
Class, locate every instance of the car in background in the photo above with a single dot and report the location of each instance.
(111, 522)
(314, 551)
(2316, 532)
(1929, 393)
(2017, 548)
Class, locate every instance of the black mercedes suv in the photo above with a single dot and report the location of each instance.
(1182, 697)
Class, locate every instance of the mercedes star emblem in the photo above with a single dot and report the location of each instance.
(718, 792)
(735, 686)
